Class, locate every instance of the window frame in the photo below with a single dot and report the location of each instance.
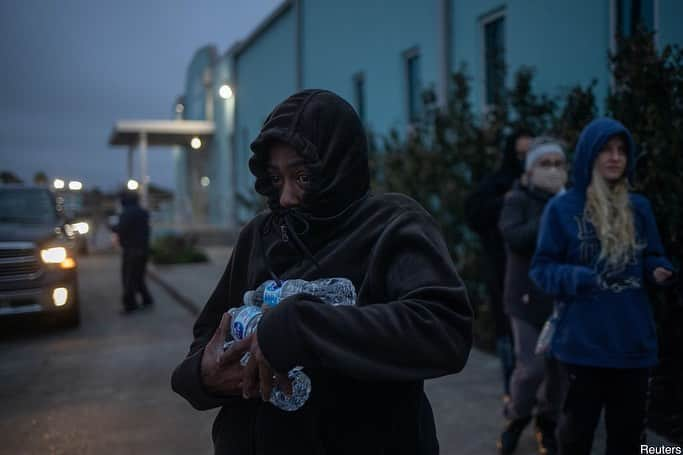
(614, 20)
(408, 55)
(484, 20)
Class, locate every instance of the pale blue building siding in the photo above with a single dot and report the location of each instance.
(539, 34)
(328, 44)
(341, 39)
(221, 190)
(195, 93)
(566, 42)
(265, 75)
(194, 108)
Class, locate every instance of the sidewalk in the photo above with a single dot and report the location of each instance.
(466, 405)
(192, 284)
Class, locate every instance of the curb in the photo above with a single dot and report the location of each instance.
(184, 301)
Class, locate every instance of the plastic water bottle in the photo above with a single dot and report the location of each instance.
(333, 291)
(244, 322)
(245, 319)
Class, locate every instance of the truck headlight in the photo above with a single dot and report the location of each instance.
(57, 255)
(54, 255)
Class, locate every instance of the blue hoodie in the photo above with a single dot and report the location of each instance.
(606, 319)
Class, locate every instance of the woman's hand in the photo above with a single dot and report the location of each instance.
(661, 274)
(259, 375)
(221, 370)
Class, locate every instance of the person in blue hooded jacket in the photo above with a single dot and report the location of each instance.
(598, 246)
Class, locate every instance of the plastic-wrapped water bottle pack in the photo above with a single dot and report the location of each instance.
(245, 319)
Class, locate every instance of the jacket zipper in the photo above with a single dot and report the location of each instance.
(283, 232)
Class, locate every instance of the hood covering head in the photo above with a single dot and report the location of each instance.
(511, 164)
(129, 199)
(591, 141)
(328, 134)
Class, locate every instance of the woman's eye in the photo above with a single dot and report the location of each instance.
(304, 179)
(275, 179)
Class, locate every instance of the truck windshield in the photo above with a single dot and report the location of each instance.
(30, 206)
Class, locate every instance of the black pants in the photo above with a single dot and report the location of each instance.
(622, 393)
(133, 275)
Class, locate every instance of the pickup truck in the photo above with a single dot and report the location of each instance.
(38, 268)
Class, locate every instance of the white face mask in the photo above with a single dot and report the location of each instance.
(549, 179)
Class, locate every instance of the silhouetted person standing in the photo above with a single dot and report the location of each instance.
(482, 212)
(133, 233)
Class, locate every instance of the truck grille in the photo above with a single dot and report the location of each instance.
(18, 261)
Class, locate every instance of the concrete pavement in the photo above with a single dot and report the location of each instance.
(103, 388)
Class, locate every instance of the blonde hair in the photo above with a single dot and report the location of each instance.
(609, 209)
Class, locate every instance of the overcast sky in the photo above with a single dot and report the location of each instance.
(70, 68)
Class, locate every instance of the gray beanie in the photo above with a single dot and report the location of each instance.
(540, 146)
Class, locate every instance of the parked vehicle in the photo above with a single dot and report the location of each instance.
(38, 268)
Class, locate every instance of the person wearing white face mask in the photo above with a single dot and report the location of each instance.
(537, 382)
(546, 165)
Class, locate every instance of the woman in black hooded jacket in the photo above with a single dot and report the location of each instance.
(367, 363)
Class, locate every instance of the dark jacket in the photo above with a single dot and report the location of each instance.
(133, 226)
(482, 212)
(607, 320)
(484, 204)
(519, 223)
(367, 362)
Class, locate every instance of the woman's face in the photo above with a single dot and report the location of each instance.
(611, 161)
(288, 174)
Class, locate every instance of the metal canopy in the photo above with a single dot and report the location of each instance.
(160, 132)
(145, 133)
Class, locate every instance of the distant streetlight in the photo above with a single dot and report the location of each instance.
(75, 185)
(179, 108)
(58, 184)
(205, 181)
(133, 185)
(225, 92)
(196, 143)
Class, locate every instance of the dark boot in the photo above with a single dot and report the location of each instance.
(545, 435)
(507, 443)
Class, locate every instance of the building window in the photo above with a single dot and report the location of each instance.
(493, 40)
(633, 14)
(359, 95)
(413, 84)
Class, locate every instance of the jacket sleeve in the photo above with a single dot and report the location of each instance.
(518, 230)
(186, 379)
(549, 268)
(422, 330)
(122, 226)
(654, 251)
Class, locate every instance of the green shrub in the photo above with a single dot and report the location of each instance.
(176, 249)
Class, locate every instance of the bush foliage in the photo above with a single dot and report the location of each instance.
(176, 249)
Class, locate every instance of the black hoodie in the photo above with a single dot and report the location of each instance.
(367, 362)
